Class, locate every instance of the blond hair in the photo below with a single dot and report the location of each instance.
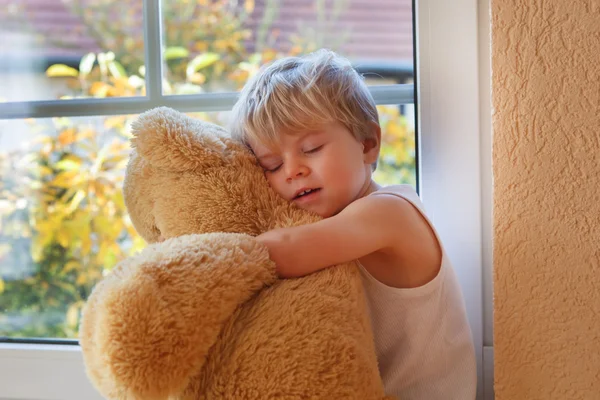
(295, 94)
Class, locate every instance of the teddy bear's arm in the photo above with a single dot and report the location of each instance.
(148, 326)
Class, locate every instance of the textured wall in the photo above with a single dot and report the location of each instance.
(546, 123)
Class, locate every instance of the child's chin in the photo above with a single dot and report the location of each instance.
(324, 214)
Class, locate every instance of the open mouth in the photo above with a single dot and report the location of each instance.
(306, 193)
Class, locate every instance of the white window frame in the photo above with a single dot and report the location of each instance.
(455, 179)
(454, 173)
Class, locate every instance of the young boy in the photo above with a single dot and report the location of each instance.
(313, 126)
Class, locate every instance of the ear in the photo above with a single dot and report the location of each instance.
(372, 145)
(171, 140)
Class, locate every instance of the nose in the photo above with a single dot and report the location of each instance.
(295, 170)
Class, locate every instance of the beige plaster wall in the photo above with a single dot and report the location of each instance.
(546, 152)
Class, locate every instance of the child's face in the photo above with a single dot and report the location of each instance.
(321, 171)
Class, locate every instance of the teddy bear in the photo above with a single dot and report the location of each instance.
(200, 312)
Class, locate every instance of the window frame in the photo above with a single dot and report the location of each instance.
(454, 177)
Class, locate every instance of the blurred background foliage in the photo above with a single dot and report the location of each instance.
(63, 222)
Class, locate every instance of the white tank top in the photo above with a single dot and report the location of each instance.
(422, 337)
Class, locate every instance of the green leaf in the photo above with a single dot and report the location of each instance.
(116, 69)
(68, 165)
(176, 52)
(201, 61)
(86, 63)
(61, 71)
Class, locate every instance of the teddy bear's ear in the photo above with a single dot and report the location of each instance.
(171, 140)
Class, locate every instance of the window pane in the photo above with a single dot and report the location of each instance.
(397, 161)
(63, 224)
(45, 43)
(215, 45)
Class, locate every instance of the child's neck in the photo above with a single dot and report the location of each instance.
(370, 187)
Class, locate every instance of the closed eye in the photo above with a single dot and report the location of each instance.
(314, 150)
(275, 169)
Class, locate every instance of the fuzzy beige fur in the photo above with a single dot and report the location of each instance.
(201, 315)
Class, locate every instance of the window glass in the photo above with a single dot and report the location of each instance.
(397, 159)
(55, 49)
(215, 45)
(63, 224)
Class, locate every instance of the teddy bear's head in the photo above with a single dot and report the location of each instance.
(189, 176)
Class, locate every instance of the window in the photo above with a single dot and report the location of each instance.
(65, 222)
(77, 72)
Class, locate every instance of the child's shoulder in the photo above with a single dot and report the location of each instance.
(414, 241)
(395, 200)
(404, 191)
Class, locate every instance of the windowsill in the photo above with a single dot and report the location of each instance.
(44, 372)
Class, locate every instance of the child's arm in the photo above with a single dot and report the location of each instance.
(375, 223)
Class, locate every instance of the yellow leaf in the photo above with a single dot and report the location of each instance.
(99, 89)
(249, 6)
(102, 154)
(110, 258)
(85, 134)
(114, 122)
(120, 204)
(67, 136)
(45, 235)
(102, 224)
(86, 244)
(61, 71)
(65, 198)
(197, 78)
(73, 315)
(79, 196)
(269, 55)
(1, 285)
(81, 280)
(84, 234)
(138, 244)
(97, 188)
(63, 238)
(201, 46)
(68, 287)
(44, 170)
(71, 266)
(68, 165)
(66, 179)
(37, 251)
